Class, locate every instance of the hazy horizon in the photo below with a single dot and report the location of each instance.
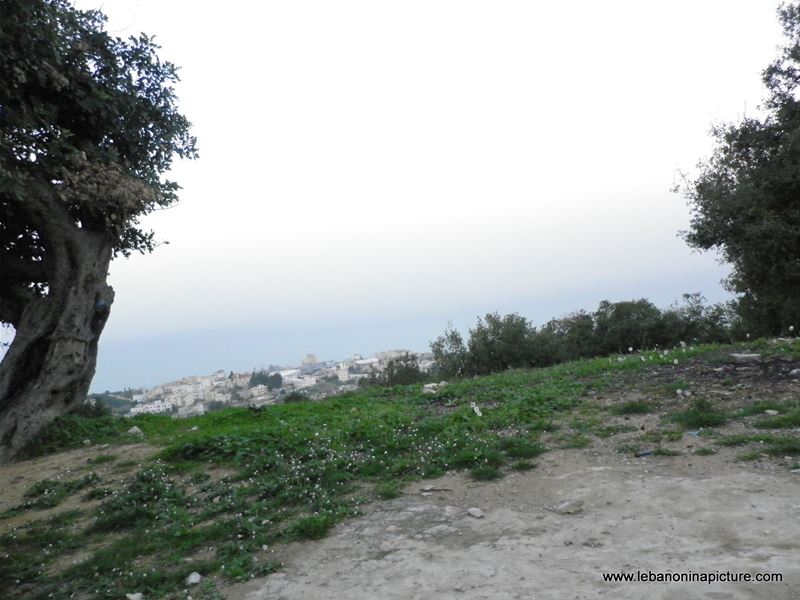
(370, 171)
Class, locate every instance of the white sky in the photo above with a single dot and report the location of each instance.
(370, 170)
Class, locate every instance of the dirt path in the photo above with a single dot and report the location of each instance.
(668, 514)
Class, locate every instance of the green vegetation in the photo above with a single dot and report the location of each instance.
(497, 343)
(485, 473)
(246, 479)
(705, 452)
(743, 200)
(700, 414)
(635, 407)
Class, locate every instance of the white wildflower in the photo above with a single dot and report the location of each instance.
(476, 409)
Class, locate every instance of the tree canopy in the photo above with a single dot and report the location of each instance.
(89, 126)
(746, 198)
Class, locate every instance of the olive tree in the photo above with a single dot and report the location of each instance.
(88, 128)
(746, 198)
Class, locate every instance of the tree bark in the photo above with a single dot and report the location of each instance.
(51, 361)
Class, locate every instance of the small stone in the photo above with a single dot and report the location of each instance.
(195, 428)
(570, 507)
(475, 512)
(134, 596)
(427, 488)
(745, 358)
(193, 578)
(770, 412)
(135, 431)
(795, 471)
(87, 442)
(795, 372)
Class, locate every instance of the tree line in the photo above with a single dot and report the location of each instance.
(497, 343)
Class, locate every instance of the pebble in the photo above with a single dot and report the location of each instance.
(134, 596)
(570, 507)
(193, 578)
(746, 358)
(87, 442)
(475, 512)
(135, 431)
(770, 412)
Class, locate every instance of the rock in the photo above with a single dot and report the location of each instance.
(795, 372)
(134, 596)
(195, 428)
(193, 578)
(770, 412)
(795, 471)
(745, 358)
(428, 488)
(135, 431)
(570, 507)
(432, 388)
(87, 442)
(475, 512)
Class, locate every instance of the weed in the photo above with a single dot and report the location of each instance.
(665, 452)
(700, 414)
(310, 528)
(634, 407)
(790, 419)
(388, 490)
(103, 458)
(485, 473)
(521, 448)
(523, 465)
(705, 451)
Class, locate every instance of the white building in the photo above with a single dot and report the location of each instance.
(152, 407)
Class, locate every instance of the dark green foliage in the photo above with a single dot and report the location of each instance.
(295, 397)
(634, 407)
(48, 493)
(449, 353)
(523, 465)
(403, 370)
(521, 448)
(700, 414)
(311, 528)
(745, 199)
(273, 382)
(785, 421)
(98, 113)
(388, 490)
(485, 473)
(91, 409)
(497, 343)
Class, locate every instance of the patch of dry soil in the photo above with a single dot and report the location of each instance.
(661, 514)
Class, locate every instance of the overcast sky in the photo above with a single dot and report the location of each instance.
(370, 170)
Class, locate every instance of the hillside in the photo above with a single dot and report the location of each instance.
(667, 461)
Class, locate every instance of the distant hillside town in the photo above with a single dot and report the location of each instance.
(199, 394)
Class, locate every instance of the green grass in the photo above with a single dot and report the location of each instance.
(485, 473)
(295, 470)
(786, 421)
(701, 413)
(705, 452)
(388, 490)
(632, 408)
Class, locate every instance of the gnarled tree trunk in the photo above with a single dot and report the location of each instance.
(51, 361)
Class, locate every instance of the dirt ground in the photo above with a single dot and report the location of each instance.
(677, 514)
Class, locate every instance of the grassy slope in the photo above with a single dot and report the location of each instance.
(295, 470)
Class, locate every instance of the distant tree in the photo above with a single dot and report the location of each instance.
(403, 370)
(497, 343)
(88, 128)
(273, 382)
(746, 200)
(449, 353)
(629, 324)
